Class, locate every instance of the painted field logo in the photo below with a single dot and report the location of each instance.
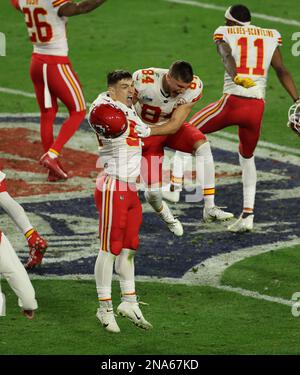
(2, 44)
(66, 214)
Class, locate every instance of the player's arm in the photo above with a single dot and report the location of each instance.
(178, 118)
(15, 4)
(224, 50)
(73, 9)
(170, 127)
(229, 63)
(283, 75)
(37, 245)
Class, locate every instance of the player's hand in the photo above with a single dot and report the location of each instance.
(245, 82)
(143, 131)
(37, 248)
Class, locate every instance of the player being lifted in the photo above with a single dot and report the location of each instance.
(113, 118)
(247, 52)
(10, 266)
(164, 99)
(52, 74)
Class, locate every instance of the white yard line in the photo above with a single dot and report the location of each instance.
(222, 9)
(7, 90)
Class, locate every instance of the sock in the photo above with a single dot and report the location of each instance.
(180, 161)
(249, 178)
(103, 275)
(68, 129)
(125, 269)
(205, 169)
(53, 153)
(154, 198)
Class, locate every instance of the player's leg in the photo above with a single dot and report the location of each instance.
(151, 172)
(181, 161)
(38, 69)
(14, 272)
(63, 84)
(124, 265)
(249, 132)
(112, 220)
(190, 139)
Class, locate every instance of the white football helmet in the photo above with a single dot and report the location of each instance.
(294, 118)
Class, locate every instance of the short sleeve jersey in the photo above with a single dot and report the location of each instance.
(154, 106)
(252, 49)
(46, 29)
(121, 156)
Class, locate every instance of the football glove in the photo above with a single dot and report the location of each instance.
(143, 131)
(245, 82)
(37, 248)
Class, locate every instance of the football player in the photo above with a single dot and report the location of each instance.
(164, 99)
(247, 52)
(10, 266)
(52, 74)
(113, 118)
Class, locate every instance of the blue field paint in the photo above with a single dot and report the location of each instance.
(70, 221)
(164, 255)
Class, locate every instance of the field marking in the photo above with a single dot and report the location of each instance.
(207, 273)
(7, 90)
(223, 9)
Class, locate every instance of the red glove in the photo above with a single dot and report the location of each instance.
(37, 248)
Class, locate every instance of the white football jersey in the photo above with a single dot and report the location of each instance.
(47, 31)
(121, 157)
(252, 49)
(154, 106)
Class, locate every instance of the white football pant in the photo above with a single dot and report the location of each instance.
(15, 274)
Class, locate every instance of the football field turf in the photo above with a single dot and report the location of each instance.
(195, 310)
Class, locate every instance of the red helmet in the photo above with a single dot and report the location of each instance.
(108, 120)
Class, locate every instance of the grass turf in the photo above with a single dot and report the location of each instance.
(275, 273)
(186, 320)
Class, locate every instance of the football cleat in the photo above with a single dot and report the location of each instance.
(242, 224)
(215, 214)
(107, 318)
(53, 165)
(173, 223)
(28, 313)
(132, 311)
(52, 177)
